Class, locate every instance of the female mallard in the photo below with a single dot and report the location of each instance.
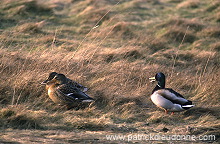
(166, 98)
(69, 81)
(63, 93)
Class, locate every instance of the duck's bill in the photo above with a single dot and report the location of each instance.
(152, 79)
(44, 82)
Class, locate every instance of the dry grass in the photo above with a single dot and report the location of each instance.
(213, 6)
(178, 34)
(215, 46)
(113, 56)
(189, 4)
(211, 32)
(193, 24)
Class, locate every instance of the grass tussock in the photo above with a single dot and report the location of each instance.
(25, 7)
(92, 15)
(123, 30)
(211, 32)
(111, 48)
(178, 35)
(17, 120)
(189, 4)
(29, 28)
(217, 17)
(213, 6)
(215, 46)
(184, 23)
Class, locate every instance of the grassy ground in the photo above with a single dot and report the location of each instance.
(112, 47)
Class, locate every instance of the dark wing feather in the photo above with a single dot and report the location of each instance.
(179, 95)
(64, 97)
(77, 85)
(176, 93)
(79, 94)
(73, 92)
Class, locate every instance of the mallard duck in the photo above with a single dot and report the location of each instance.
(167, 98)
(63, 93)
(69, 81)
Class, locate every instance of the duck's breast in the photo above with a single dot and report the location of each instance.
(160, 101)
(53, 96)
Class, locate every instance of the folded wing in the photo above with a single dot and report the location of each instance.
(173, 96)
(73, 93)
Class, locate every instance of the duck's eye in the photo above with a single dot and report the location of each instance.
(50, 78)
(57, 78)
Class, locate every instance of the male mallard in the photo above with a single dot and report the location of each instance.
(63, 93)
(69, 81)
(166, 98)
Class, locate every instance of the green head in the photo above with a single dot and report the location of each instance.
(160, 78)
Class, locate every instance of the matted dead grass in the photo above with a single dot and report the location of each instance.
(189, 4)
(114, 59)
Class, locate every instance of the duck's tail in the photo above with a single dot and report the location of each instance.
(188, 103)
(89, 99)
(187, 106)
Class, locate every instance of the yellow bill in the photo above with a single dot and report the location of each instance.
(152, 79)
